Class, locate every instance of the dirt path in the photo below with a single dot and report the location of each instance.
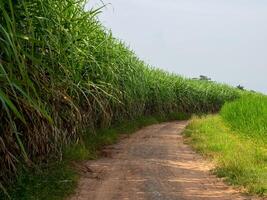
(152, 164)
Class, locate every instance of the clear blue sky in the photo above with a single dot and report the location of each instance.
(223, 39)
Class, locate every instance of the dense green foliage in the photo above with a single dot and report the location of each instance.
(248, 115)
(62, 72)
(241, 160)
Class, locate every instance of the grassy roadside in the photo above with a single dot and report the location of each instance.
(58, 179)
(239, 159)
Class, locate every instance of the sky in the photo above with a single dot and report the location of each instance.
(225, 40)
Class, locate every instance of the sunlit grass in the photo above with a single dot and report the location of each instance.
(241, 160)
(248, 115)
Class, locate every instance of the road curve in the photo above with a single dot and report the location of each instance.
(152, 164)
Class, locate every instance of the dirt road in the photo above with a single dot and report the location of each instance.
(152, 164)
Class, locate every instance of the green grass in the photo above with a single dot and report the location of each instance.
(63, 76)
(58, 179)
(248, 115)
(54, 181)
(62, 72)
(241, 160)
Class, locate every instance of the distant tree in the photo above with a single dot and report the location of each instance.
(240, 87)
(203, 78)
